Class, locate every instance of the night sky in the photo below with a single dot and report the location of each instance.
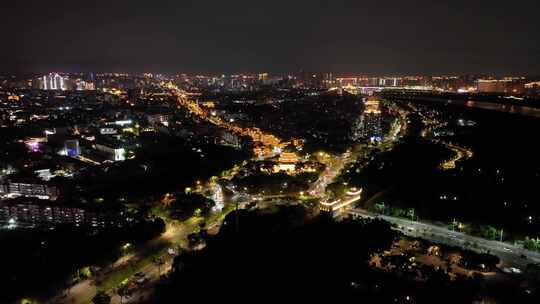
(365, 37)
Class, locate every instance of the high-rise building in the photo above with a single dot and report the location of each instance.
(218, 198)
(371, 122)
(328, 80)
(388, 82)
(507, 85)
(82, 85)
(492, 86)
(54, 81)
(346, 81)
(263, 78)
(72, 148)
(30, 189)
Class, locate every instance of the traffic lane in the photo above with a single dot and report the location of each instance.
(153, 272)
(509, 251)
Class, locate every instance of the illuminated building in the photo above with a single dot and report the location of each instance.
(346, 81)
(13, 97)
(262, 150)
(337, 206)
(121, 123)
(228, 139)
(388, 82)
(159, 118)
(532, 85)
(506, 85)
(287, 162)
(33, 215)
(44, 174)
(263, 77)
(298, 143)
(54, 81)
(271, 140)
(328, 80)
(266, 139)
(114, 153)
(288, 157)
(218, 198)
(371, 122)
(72, 148)
(107, 131)
(82, 85)
(372, 106)
(34, 144)
(208, 104)
(491, 86)
(29, 189)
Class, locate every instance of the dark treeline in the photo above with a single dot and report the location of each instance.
(40, 263)
(264, 257)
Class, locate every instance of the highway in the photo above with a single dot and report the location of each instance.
(510, 254)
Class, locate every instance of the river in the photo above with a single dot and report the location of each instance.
(521, 110)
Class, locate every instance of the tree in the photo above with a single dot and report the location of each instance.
(380, 207)
(189, 204)
(159, 262)
(479, 261)
(531, 244)
(122, 292)
(410, 213)
(194, 240)
(101, 298)
(490, 232)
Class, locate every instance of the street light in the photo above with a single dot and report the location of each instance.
(126, 247)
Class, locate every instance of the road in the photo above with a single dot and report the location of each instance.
(431, 124)
(256, 134)
(337, 164)
(510, 254)
(151, 271)
(84, 290)
(461, 154)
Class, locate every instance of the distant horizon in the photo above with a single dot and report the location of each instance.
(283, 74)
